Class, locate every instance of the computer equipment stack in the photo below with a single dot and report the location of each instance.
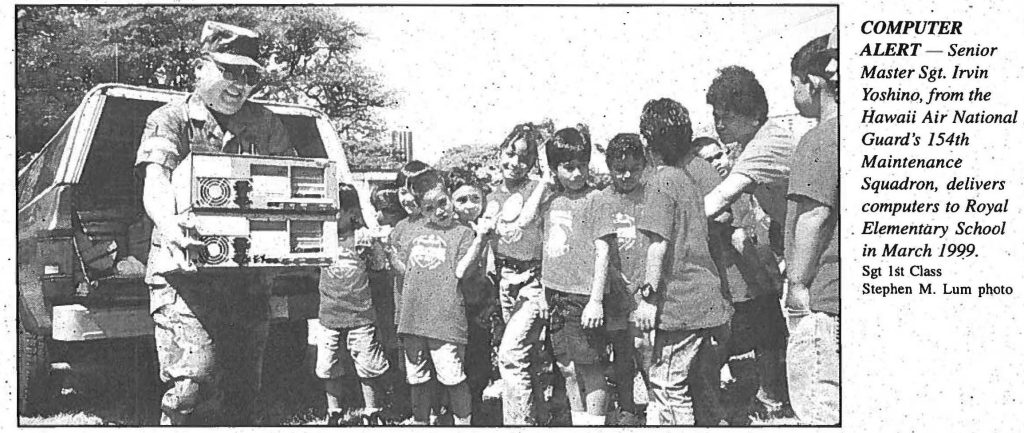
(259, 211)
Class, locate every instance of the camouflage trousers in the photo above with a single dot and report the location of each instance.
(534, 391)
(210, 333)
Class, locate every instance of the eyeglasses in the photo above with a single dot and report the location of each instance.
(248, 75)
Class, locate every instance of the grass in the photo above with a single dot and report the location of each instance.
(103, 394)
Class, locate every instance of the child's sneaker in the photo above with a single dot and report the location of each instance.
(334, 418)
(444, 418)
(390, 416)
(628, 419)
(764, 411)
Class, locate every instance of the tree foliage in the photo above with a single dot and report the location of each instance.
(309, 53)
(373, 153)
(482, 160)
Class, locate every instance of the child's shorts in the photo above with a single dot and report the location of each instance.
(365, 350)
(618, 305)
(570, 341)
(424, 356)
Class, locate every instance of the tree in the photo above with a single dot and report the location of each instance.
(372, 153)
(309, 53)
(481, 159)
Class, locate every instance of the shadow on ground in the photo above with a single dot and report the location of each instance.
(118, 385)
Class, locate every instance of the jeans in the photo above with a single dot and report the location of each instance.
(685, 376)
(813, 366)
(534, 391)
(758, 325)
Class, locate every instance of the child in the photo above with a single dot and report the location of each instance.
(752, 275)
(576, 301)
(469, 196)
(383, 286)
(433, 254)
(386, 202)
(347, 318)
(524, 368)
(409, 171)
(681, 292)
(617, 209)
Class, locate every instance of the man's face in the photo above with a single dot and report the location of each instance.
(224, 88)
(803, 97)
(437, 207)
(573, 174)
(626, 173)
(515, 161)
(733, 127)
(468, 203)
(718, 157)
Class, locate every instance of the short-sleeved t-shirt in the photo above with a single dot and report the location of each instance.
(345, 298)
(186, 125)
(766, 161)
(816, 176)
(568, 242)
(431, 304)
(742, 279)
(617, 216)
(691, 291)
(395, 238)
(521, 243)
(707, 178)
(751, 277)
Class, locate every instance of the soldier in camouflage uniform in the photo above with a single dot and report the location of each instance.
(211, 327)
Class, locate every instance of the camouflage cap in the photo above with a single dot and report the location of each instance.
(229, 44)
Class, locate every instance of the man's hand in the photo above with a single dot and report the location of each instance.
(798, 297)
(179, 234)
(644, 316)
(176, 240)
(173, 230)
(593, 315)
(724, 218)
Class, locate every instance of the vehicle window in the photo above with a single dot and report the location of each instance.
(304, 136)
(108, 178)
(40, 173)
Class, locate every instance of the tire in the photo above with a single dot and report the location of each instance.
(34, 382)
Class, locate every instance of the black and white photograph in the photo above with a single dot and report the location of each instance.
(413, 215)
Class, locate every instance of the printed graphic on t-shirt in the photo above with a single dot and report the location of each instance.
(559, 232)
(346, 265)
(625, 230)
(428, 252)
(509, 232)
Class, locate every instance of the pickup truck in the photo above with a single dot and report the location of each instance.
(83, 234)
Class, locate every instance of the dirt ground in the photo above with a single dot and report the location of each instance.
(101, 391)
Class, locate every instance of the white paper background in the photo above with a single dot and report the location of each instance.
(909, 363)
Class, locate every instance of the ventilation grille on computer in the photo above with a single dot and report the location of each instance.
(216, 250)
(214, 192)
